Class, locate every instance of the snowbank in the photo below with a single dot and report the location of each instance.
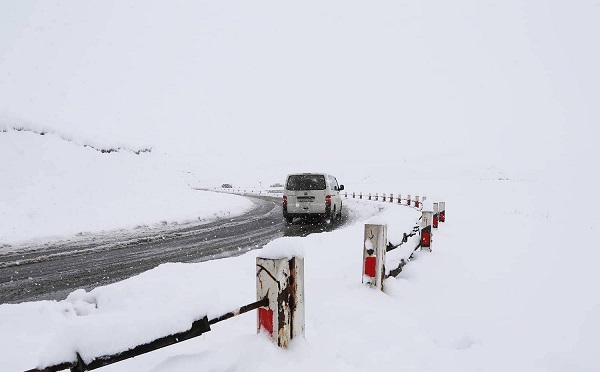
(499, 282)
(53, 187)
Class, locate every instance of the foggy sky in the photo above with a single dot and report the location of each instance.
(509, 83)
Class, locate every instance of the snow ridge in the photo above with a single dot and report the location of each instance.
(101, 149)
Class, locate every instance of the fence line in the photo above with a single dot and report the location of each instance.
(280, 288)
(376, 246)
(408, 201)
(280, 305)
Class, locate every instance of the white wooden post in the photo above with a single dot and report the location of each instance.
(353, 195)
(374, 250)
(360, 195)
(399, 198)
(384, 197)
(436, 214)
(376, 196)
(281, 280)
(442, 211)
(369, 196)
(426, 235)
(391, 198)
(408, 200)
(416, 201)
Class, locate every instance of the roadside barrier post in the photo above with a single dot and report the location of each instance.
(369, 196)
(282, 282)
(426, 235)
(416, 201)
(360, 195)
(346, 194)
(353, 195)
(384, 197)
(391, 198)
(374, 255)
(376, 196)
(435, 215)
(442, 212)
(399, 198)
(408, 200)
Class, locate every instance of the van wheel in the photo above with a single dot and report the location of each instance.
(288, 218)
(339, 216)
(332, 215)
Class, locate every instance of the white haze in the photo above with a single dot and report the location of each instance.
(242, 87)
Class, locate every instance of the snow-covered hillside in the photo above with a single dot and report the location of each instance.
(512, 83)
(488, 105)
(54, 188)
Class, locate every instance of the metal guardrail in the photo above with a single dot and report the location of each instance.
(384, 198)
(390, 247)
(198, 327)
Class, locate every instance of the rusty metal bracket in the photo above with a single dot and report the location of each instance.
(244, 309)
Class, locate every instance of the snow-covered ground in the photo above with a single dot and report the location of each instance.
(490, 106)
(506, 287)
(53, 188)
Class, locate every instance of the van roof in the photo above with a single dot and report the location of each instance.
(296, 174)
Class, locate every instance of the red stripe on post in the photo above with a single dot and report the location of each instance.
(435, 221)
(370, 264)
(265, 319)
(425, 239)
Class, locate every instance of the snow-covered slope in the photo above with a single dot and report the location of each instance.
(53, 187)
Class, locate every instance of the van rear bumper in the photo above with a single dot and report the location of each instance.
(311, 212)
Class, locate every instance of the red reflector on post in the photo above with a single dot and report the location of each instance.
(442, 217)
(425, 239)
(284, 200)
(265, 319)
(370, 263)
(435, 221)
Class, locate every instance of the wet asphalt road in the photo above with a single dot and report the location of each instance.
(51, 271)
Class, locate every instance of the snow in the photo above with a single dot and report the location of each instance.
(286, 247)
(53, 188)
(494, 285)
(489, 106)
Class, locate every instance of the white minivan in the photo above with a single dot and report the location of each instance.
(312, 195)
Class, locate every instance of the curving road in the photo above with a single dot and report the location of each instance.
(53, 270)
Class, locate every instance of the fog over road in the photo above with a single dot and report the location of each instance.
(51, 271)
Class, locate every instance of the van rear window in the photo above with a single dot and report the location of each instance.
(299, 182)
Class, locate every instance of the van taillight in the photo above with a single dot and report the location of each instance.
(327, 199)
(285, 200)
